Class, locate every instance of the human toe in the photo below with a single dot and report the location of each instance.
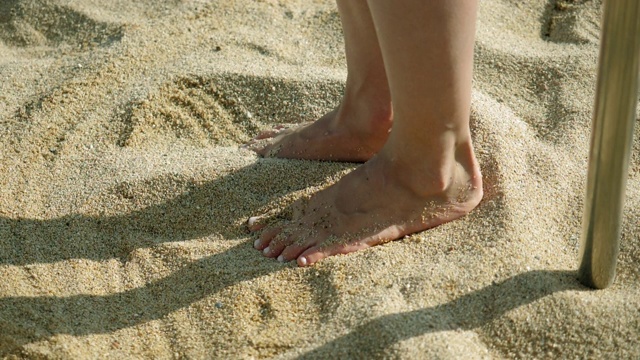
(265, 238)
(274, 249)
(270, 133)
(256, 223)
(294, 250)
(316, 253)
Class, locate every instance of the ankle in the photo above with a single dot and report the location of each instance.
(432, 170)
(368, 114)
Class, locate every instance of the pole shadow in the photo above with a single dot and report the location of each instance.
(24, 320)
(468, 312)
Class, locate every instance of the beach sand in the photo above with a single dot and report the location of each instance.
(124, 193)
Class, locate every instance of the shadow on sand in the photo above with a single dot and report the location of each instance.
(468, 312)
(25, 320)
(29, 319)
(193, 214)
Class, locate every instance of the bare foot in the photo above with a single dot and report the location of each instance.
(378, 202)
(351, 133)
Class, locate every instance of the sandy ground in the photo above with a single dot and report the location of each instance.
(124, 193)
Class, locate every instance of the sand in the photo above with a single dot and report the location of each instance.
(124, 192)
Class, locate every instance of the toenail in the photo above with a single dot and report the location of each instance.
(252, 220)
(266, 250)
(256, 243)
(303, 261)
(281, 258)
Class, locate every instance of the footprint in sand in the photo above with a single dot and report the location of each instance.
(226, 110)
(573, 21)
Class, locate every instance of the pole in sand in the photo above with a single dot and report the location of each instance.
(611, 141)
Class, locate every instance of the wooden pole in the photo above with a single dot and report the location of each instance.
(611, 141)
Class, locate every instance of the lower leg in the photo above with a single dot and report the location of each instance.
(426, 174)
(428, 53)
(359, 126)
(367, 90)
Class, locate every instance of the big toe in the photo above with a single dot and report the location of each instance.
(316, 253)
(269, 147)
(256, 223)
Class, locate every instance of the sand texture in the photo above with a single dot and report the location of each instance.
(124, 192)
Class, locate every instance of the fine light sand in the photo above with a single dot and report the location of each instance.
(124, 193)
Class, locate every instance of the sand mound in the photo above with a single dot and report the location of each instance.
(40, 23)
